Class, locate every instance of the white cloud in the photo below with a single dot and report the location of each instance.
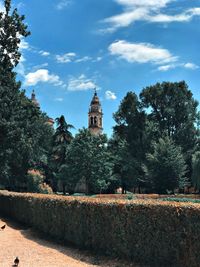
(188, 65)
(42, 75)
(41, 66)
(66, 58)
(191, 66)
(82, 83)
(194, 11)
(146, 10)
(99, 59)
(63, 4)
(83, 59)
(44, 53)
(24, 45)
(59, 99)
(20, 69)
(146, 3)
(141, 52)
(166, 67)
(1, 7)
(72, 57)
(110, 95)
(126, 18)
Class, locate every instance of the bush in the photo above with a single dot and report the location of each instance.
(35, 184)
(149, 232)
(177, 199)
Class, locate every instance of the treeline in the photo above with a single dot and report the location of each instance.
(154, 147)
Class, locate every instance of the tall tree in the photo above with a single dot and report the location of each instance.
(61, 140)
(89, 161)
(24, 132)
(130, 132)
(125, 167)
(165, 168)
(173, 108)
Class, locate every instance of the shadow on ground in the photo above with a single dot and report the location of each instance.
(84, 256)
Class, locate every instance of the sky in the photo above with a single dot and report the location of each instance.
(115, 46)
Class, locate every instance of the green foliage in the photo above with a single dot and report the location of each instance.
(196, 170)
(125, 167)
(35, 184)
(164, 109)
(173, 108)
(13, 29)
(89, 160)
(61, 140)
(128, 141)
(176, 199)
(165, 169)
(24, 133)
(147, 232)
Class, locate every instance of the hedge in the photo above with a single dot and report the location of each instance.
(149, 232)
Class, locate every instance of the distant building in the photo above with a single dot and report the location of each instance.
(95, 116)
(50, 121)
(34, 100)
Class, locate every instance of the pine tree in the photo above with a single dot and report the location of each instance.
(61, 140)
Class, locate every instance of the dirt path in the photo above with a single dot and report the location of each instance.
(33, 251)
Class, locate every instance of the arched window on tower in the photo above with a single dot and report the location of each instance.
(95, 121)
(100, 121)
(91, 121)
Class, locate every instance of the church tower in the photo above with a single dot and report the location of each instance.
(34, 100)
(95, 116)
(50, 121)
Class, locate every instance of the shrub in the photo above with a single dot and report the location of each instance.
(149, 232)
(177, 199)
(35, 184)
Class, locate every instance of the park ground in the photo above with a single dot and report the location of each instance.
(35, 251)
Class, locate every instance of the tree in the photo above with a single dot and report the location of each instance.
(125, 166)
(89, 160)
(172, 107)
(61, 140)
(24, 133)
(196, 170)
(12, 29)
(129, 135)
(165, 168)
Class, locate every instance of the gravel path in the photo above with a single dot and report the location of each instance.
(33, 251)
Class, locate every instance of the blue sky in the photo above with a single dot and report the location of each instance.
(114, 45)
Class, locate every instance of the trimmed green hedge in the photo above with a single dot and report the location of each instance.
(151, 232)
(177, 199)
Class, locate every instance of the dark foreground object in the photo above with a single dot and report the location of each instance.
(144, 231)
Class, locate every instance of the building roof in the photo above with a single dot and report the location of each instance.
(95, 99)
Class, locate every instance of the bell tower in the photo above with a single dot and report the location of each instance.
(95, 116)
(34, 100)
